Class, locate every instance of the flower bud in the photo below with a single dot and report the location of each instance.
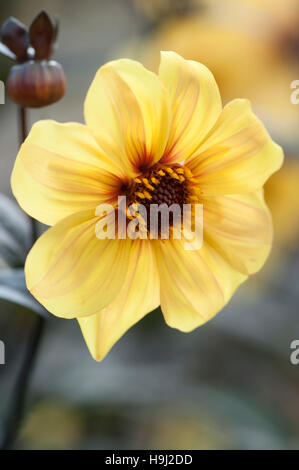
(37, 81)
(34, 84)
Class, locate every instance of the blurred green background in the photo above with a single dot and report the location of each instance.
(229, 384)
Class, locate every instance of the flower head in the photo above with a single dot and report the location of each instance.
(163, 138)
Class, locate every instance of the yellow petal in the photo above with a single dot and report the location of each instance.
(237, 156)
(195, 285)
(59, 171)
(138, 296)
(195, 102)
(126, 107)
(239, 227)
(73, 273)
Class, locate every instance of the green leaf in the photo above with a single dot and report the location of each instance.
(14, 293)
(15, 233)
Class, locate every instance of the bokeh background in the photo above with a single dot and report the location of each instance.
(229, 384)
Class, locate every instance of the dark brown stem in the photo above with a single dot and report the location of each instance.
(23, 135)
(22, 124)
(19, 392)
(18, 397)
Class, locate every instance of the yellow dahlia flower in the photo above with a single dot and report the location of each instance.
(145, 133)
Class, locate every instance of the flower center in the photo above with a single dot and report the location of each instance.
(161, 184)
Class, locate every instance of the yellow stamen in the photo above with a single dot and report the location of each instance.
(180, 171)
(147, 195)
(161, 173)
(154, 180)
(147, 185)
(169, 171)
(141, 195)
(138, 180)
(188, 172)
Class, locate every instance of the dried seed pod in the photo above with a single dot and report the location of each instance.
(34, 84)
(37, 81)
